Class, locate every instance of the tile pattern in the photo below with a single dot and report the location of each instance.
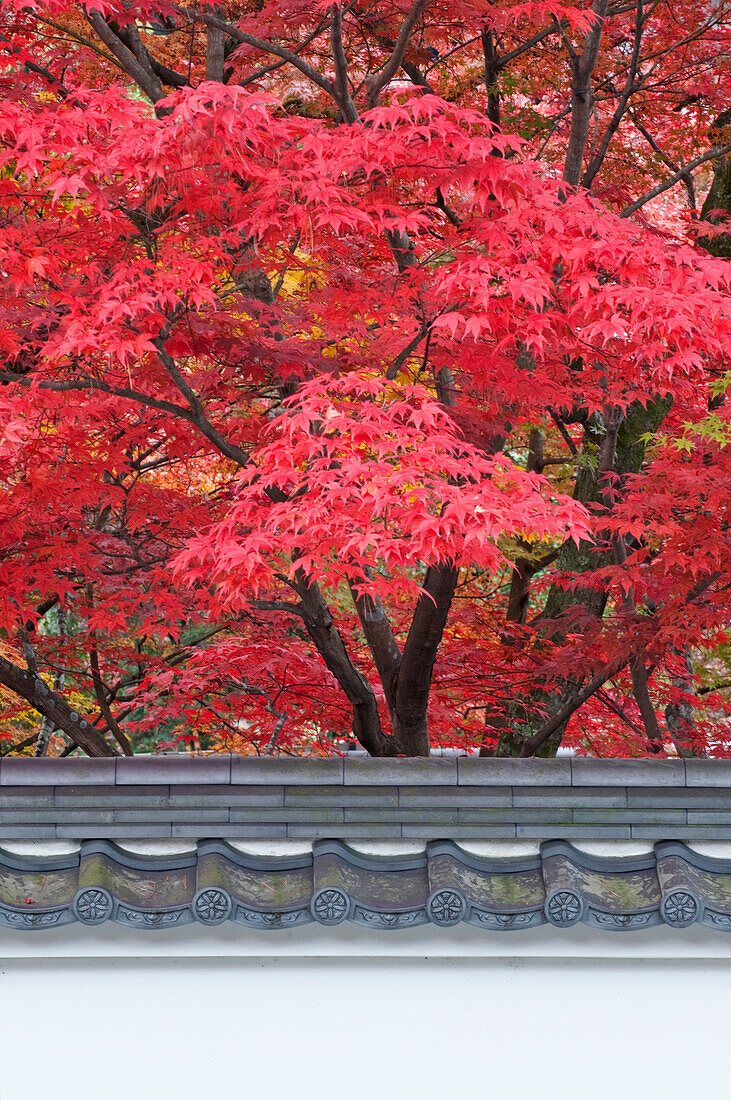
(332, 883)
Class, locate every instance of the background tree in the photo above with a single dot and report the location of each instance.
(364, 376)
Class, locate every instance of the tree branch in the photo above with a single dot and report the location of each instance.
(265, 69)
(687, 178)
(381, 641)
(49, 703)
(378, 81)
(342, 90)
(91, 384)
(197, 415)
(287, 56)
(140, 72)
(712, 154)
(101, 697)
(629, 88)
(404, 354)
(215, 52)
(47, 727)
(330, 645)
(532, 744)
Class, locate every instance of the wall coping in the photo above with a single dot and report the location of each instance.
(329, 807)
(458, 798)
(359, 770)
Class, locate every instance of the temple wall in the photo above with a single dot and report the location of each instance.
(338, 1013)
(149, 992)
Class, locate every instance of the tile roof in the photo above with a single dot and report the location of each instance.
(458, 798)
(448, 802)
(332, 883)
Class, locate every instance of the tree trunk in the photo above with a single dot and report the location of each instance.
(582, 95)
(528, 718)
(719, 196)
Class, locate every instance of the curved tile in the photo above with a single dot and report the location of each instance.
(377, 891)
(490, 892)
(444, 885)
(617, 894)
(695, 887)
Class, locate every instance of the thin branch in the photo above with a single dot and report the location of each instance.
(194, 415)
(22, 744)
(101, 697)
(564, 432)
(288, 56)
(91, 384)
(613, 705)
(197, 412)
(47, 726)
(80, 38)
(265, 69)
(713, 154)
(687, 178)
(532, 744)
(378, 81)
(404, 354)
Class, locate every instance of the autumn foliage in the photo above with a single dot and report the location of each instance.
(364, 374)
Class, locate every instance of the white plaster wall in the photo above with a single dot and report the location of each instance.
(112, 1013)
(222, 1023)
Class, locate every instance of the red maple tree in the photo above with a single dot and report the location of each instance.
(364, 375)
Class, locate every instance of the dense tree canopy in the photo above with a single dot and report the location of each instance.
(364, 374)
